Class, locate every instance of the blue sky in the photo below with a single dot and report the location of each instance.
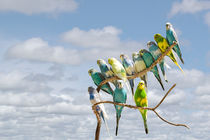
(48, 46)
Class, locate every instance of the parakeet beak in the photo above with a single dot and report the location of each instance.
(141, 86)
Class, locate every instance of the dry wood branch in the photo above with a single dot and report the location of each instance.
(135, 107)
(140, 73)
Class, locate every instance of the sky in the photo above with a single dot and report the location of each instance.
(48, 46)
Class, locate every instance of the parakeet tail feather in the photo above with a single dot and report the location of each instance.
(179, 67)
(117, 125)
(145, 126)
(107, 128)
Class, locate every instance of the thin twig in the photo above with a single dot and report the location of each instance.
(135, 107)
(164, 97)
(140, 73)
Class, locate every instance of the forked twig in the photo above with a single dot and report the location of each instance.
(97, 133)
(140, 73)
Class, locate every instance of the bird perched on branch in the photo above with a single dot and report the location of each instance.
(140, 98)
(171, 38)
(129, 68)
(97, 78)
(139, 66)
(95, 98)
(118, 70)
(120, 96)
(163, 46)
(149, 60)
(106, 71)
(156, 53)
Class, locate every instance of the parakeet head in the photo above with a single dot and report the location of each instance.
(90, 71)
(120, 85)
(168, 25)
(122, 57)
(141, 52)
(135, 55)
(141, 85)
(111, 60)
(157, 37)
(150, 43)
(91, 89)
(101, 61)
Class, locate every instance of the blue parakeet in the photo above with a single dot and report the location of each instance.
(171, 37)
(149, 60)
(156, 53)
(120, 96)
(94, 98)
(97, 78)
(106, 71)
(129, 68)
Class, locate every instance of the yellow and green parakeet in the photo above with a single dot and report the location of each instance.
(118, 68)
(163, 46)
(140, 98)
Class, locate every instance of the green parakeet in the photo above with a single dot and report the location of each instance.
(140, 98)
(97, 78)
(149, 60)
(163, 46)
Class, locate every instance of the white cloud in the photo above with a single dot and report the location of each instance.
(100, 43)
(207, 19)
(106, 37)
(39, 50)
(30, 7)
(16, 82)
(189, 6)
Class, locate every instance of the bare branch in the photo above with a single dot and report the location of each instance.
(134, 107)
(164, 97)
(140, 73)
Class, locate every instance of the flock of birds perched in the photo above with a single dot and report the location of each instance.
(141, 61)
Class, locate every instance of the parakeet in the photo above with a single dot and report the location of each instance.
(149, 60)
(97, 78)
(120, 96)
(106, 71)
(140, 98)
(163, 46)
(118, 68)
(129, 68)
(94, 98)
(171, 37)
(139, 65)
(155, 51)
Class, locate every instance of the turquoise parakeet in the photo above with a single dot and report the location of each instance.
(106, 71)
(94, 98)
(149, 60)
(171, 37)
(163, 46)
(97, 78)
(140, 98)
(129, 68)
(156, 53)
(139, 65)
(120, 96)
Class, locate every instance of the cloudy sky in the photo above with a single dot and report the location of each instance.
(47, 47)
